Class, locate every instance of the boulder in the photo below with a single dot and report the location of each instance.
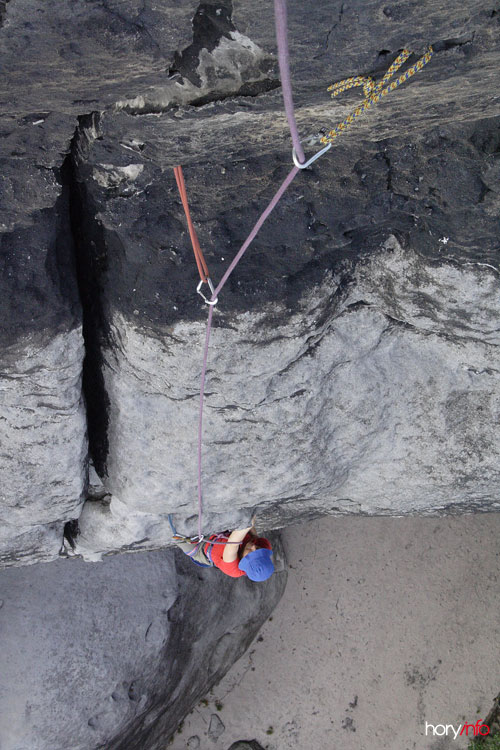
(114, 654)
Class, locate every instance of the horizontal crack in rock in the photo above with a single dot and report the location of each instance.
(219, 64)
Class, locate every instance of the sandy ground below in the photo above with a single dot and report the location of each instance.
(386, 624)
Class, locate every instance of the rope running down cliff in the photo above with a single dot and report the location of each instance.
(373, 93)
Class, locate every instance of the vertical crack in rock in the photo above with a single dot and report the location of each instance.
(91, 265)
(3, 10)
(71, 531)
(389, 172)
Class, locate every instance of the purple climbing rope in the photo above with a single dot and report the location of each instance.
(280, 11)
(272, 204)
(200, 420)
(280, 18)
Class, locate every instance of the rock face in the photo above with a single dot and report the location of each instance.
(43, 457)
(44, 450)
(108, 655)
(354, 362)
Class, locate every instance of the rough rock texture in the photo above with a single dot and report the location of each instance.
(354, 365)
(369, 339)
(44, 450)
(408, 382)
(43, 457)
(108, 655)
(354, 360)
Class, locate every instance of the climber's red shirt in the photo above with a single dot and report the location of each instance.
(215, 552)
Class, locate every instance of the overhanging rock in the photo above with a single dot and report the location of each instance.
(383, 398)
(115, 654)
(354, 365)
(348, 346)
(354, 362)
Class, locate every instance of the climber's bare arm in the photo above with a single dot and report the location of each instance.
(231, 550)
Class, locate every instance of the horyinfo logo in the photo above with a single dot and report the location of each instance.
(460, 730)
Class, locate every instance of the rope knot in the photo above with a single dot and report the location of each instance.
(373, 92)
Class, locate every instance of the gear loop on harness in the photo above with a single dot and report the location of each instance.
(197, 539)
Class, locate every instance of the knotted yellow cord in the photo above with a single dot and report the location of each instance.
(373, 92)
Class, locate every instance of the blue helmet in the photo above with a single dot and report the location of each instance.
(257, 564)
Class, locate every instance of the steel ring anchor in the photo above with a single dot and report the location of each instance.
(311, 160)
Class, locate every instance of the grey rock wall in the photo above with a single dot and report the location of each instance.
(113, 655)
(366, 404)
(43, 435)
(44, 447)
(354, 361)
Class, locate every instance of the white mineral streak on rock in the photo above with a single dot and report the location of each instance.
(246, 43)
(43, 445)
(448, 299)
(386, 407)
(228, 66)
(222, 72)
(160, 97)
(108, 175)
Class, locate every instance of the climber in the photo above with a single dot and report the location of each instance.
(239, 553)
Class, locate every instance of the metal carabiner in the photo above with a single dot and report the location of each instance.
(311, 160)
(197, 539)
(198, 289)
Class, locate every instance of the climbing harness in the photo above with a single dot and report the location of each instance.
(373, 93)
(197, 542)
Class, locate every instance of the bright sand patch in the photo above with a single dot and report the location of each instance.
(386, 623)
